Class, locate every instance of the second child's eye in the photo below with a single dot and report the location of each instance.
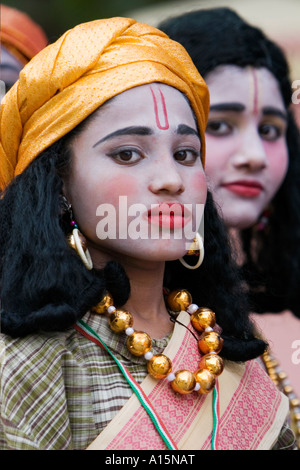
(270, 132)
(218, 128)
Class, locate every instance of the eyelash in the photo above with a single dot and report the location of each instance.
(195, 154)
(217, 132)
(279, 130)
(117, 154)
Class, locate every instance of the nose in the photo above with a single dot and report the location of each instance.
(166, 178)
(251, 154)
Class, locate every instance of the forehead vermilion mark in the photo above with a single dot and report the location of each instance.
(160, 109)
(255, 90)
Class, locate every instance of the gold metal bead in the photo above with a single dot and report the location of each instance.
(206, 380)
(102, 306)
(210, 341)
(213, 363)
(139, 343)
(184, 382)
(288, 389)
(272, 372)
(295, 402)
(159, 366)
(179, 300)
(119, 320)
(203, 318)
(282, 376)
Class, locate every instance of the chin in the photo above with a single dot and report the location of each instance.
(238, 222)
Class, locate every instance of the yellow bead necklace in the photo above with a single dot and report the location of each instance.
(159, 366)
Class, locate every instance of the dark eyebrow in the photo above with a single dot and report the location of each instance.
(237, 107)
(183, 129)
(132, 130)
(269, 110)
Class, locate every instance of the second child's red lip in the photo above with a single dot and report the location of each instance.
(245, 188)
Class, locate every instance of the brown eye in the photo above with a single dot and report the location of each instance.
(218, 128)
(181, 156)
(270, 132)
(186, 156)
(126, 156)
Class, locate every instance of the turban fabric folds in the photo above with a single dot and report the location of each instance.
(71, 78)
(20, 35)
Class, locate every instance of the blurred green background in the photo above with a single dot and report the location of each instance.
(56, 16)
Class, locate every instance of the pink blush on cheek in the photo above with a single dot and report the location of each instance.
(277, 155)
(198, 184)
(120, 185)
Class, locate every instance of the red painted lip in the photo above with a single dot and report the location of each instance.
(245, 188)
(170, 215)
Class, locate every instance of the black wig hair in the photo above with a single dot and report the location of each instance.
(45, 286)
(217, 37)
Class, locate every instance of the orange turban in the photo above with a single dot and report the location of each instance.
(72, 77)
(20, 34)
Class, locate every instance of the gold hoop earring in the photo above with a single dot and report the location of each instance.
(197, 249)
(77, 241)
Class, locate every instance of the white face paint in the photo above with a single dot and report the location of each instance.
(246, 150)
(143, 146)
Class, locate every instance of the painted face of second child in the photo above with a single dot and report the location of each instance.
(138, 155)
(247, 156)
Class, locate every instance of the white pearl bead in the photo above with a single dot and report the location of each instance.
(208, 329)
(170, 377)
(192, 308)
(148, 355)
(129, 331)
(197, 387)
(111, 309)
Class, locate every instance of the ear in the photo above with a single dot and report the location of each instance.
(65, 205)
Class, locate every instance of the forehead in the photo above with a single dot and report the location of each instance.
(231, 83)
(145, 102)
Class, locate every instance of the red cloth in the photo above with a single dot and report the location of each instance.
(20, 34)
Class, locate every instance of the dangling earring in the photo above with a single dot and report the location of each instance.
(264, 220)
(76, 240)
(197, 249)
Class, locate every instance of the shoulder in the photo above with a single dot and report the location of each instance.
(33, 389)
(35, 351)
(32, 363)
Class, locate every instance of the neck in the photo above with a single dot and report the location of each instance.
(146, 302)
(236, 246)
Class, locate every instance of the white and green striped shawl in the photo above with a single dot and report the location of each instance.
(59, 390)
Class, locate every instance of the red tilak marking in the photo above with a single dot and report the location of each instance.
(255, 97)
(164, 109)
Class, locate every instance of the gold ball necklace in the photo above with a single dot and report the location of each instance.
(159, 366)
